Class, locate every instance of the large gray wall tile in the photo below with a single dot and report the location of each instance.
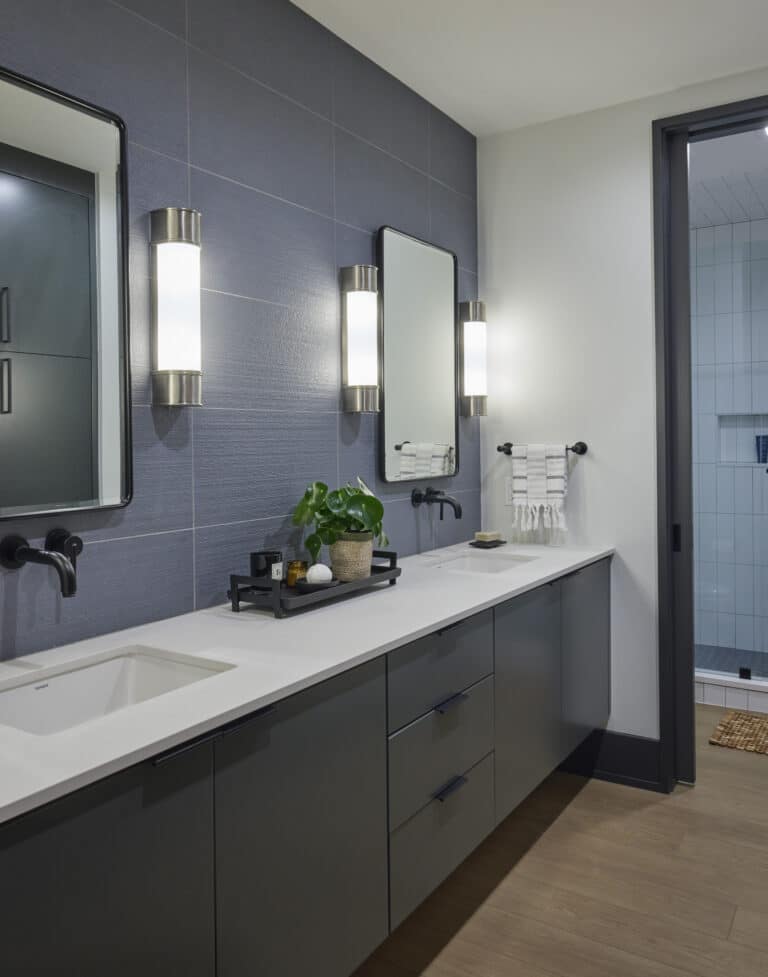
(373, 188)
(170, 14)
(263, 248)
(155, 181)
(105, 55)
(377, 107)
(242, 130)
(257, 354)
(121, 583)
(223, 550)
(454, 223)
(251, 464)
(452, 153)
(271, 40)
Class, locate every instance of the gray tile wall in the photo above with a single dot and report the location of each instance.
(295, 148)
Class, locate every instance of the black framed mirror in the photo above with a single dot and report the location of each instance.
(65, 436)
(419, 419)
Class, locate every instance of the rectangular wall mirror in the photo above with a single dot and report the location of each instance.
(419, 419)
(64, 422)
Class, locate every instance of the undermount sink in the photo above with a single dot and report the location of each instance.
(476, 561)
(62, 697)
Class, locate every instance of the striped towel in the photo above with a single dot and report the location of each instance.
(423, 458)
(539, 485)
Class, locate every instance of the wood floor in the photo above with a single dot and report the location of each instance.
(589, 879)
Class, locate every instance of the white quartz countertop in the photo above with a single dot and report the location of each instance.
(273, 659)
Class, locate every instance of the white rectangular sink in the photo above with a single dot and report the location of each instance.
(485, 562)
(62, 697)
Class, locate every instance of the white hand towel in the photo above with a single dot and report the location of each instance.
(539, 485)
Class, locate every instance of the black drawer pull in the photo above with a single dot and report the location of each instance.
(5, 386)
(447, 704)
(178, 751)
(5, 314)
(452, 627)
(252, 717)
(450, 788)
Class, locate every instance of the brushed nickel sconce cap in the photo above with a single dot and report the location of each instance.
(475, 405)
(177, 388)
(473, 311)
(360, 400)
(177, 225)
(360, 278)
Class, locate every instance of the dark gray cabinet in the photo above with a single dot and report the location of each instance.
(114, 879)
(301, 832)
(527, 694)
(586, 643)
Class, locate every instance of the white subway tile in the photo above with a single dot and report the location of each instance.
(741, 288)
(724, 289)
(736, 698)
(742, 387)
(705, 246)
(742, 337)
(707, 634)
(707, 527)
(745, 632)
(725, 489)
(707, 487)
(741, 233)
(759, 284)
(705, 339)
(758, 701)
(743, 539)
(742, 501)
(724, 388)
(723, 244)
(698, 691)
(705, 289)
(714, 695)
(726, 598)
(726, 630)
(744, 590)
(724, 539)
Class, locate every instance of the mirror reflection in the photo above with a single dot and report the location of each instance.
(63, 442)
(419, 417)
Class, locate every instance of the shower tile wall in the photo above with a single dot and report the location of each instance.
(729, 305)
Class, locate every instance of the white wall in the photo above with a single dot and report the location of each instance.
(566, 267)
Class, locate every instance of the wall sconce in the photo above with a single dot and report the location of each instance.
(474, 353)
(360, 339)
(177, 377)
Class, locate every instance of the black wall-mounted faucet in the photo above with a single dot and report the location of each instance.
(61, 552)
(432, 495)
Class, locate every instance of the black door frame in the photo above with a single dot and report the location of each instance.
(677, 758)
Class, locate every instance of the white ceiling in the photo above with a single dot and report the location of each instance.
(728, 179)
(495, 65)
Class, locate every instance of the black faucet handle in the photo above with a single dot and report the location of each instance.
(62, 541)
(9, 547)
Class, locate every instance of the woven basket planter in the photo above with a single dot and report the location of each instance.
(351, 556)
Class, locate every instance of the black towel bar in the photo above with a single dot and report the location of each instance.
(578, 447)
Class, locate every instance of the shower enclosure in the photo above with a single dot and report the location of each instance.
(728, 208)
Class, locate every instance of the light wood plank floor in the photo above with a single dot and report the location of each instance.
(589, 879)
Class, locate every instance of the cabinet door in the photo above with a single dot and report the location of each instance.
(527, 684)
(45, 430)
(301, 832)
(114, 879)
(586, 637)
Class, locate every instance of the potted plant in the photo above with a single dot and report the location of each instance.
(346, 520)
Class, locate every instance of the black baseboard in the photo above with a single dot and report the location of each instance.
(619, 758)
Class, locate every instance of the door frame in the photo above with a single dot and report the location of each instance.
(677, 756)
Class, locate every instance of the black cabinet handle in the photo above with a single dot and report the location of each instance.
(178, 751)
(447, 704)
(5, 386)
(450, 788)
(252, 717)
(5, 314)
(452, 627)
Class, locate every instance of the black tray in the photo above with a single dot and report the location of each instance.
(488, 544)
(283, 600)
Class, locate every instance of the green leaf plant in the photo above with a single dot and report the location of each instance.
(349, 509)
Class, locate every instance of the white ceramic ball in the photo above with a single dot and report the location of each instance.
(319, 573)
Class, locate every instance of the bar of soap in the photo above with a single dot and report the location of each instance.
(488, 537)
(319, 573)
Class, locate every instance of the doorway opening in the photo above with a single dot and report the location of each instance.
(711, 263)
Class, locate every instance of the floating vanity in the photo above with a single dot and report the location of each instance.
(224, 794)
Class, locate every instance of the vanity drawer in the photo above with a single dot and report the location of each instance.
(428, 847)
(424, 755)
(437, 666)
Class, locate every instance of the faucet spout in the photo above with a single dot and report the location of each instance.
(60, 563)
(60, 553)
(432, 495)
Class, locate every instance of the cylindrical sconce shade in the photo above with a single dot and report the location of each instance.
(360, 338)
(177, 346)
(474, 347)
